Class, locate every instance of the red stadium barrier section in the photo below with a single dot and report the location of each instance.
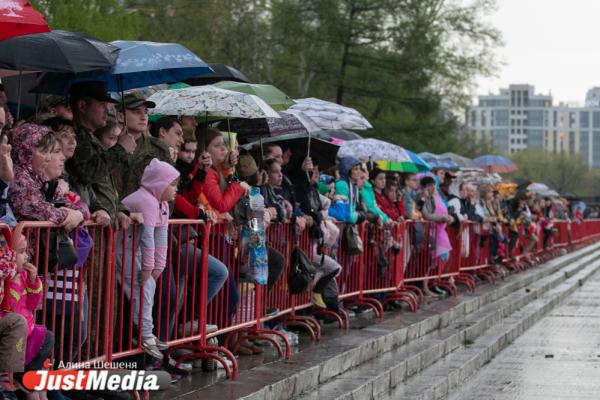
(96, 312)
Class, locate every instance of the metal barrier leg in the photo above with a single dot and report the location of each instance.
(487, 274)
(309, 323)
(341, 317)
(405, 297)
(264, 334)
(467, 280)
(448, 285)
(414, 289)
(212, 352)
(368, 302)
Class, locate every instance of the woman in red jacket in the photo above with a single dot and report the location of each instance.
(386, 196)
(217, 193)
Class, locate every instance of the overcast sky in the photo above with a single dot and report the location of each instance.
(551, 44)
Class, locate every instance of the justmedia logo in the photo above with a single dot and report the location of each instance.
(96, 379)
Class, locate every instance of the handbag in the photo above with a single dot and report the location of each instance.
(382, 262)
(301, 273)
(59, 247)
(311, 203)
(353, 243)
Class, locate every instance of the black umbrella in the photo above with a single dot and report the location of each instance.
(522, 183)
(322, 152)
(250, 130)
(57, 51)
(221, 72)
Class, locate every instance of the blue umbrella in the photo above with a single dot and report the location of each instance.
(496, 164)
(139, 64)
(437, 162)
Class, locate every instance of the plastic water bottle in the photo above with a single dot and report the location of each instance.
(257, 249)
(257, 204)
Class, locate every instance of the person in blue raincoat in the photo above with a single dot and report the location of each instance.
(343, 208)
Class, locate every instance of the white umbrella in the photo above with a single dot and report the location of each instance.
(317, 115)
(539, 188)
(210, 101)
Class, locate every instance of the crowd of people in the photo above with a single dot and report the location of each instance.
(87, 157)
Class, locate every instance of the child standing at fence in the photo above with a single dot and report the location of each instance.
(13, 327)
(158, 187)
(23, 294)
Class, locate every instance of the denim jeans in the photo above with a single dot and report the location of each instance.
(190, 262)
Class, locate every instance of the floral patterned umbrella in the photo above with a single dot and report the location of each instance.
(317, 115)
(209, 101)
(387, 156)
(251, 130)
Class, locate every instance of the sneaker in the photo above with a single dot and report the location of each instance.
(228, 362)
(191, 328)
(149, 346)
(185, 366)
(291, 337)
(317, 300)
(160, 344)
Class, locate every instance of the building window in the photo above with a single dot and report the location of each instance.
(584, 119)
(571, 142)
(596, 119)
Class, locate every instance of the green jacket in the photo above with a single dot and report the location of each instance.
(368, 196)
(93, 165)
(343, 188)
(129, 177)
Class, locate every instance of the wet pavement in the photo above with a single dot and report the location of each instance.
(558, 358)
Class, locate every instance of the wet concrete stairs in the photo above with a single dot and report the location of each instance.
(423, 355)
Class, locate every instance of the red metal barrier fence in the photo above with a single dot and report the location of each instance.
(97, 309)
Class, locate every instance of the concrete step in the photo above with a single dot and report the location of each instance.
(431, 324)
(372, 379)
(439, 380)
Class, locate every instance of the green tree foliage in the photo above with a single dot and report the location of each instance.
(105, 19)
(405, 64)
(562, 172)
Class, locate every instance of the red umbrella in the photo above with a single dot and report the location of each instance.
(18, 18)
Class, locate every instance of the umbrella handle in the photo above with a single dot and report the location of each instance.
(19, 97)
(308, 149)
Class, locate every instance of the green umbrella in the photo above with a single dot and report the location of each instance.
(274, 97)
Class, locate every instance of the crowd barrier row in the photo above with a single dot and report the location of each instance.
(89, 307)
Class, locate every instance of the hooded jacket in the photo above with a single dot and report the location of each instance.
(25, 193)
(157, 176)
(344, 187)
(368, 195)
